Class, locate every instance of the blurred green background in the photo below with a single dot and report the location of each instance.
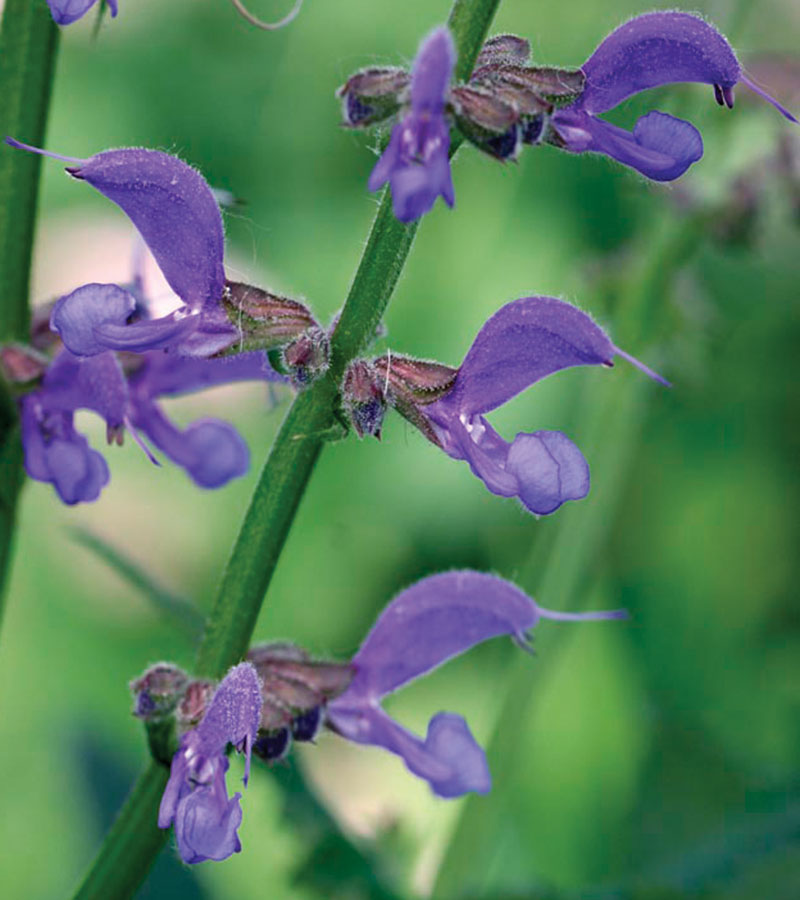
(655, 758)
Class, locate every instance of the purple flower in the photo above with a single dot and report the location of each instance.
(425, 625)
(195, 798)
(211, 451)
(65, 12)
(415, 163)
(648, 51)
(176, 214)
(522, 343)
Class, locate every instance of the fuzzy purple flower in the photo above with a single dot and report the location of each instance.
(65, 12)
(195, 798)
(434, 620)
(211, 451)
(523, 342)
(178, 217)
(648, 51)
(416, 163)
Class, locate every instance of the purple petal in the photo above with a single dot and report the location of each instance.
(432, 621)
(175, 212)
(76, 316)
(417, 166)
(212, 452)
(449, 759)
(65, 12)
(172, 330)
(206, 821)
(543, 470)
(654, 49)
(549, 470)
(432, 70)
(234, 712)
(660, 147)
(57, 454)
(166, 373)
(522, 343)
(95, 383)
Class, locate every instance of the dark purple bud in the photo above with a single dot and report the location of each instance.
(373, 95)
(533, 129)
(263, 320)
(487, 120)
(20, 364)
(273, 745)
(307, 357)
(364, 398)
(158, 691)
(504, 48)
(305, 727)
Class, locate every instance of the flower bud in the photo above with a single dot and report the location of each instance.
(412, 385)
(372, 95)
(363, 398)
(503, 48)
(264, 320)
(559, 87)
(306, 726)
(272, 745)
(194, 703)
(487, 120)
(307, 357)
(157, 692)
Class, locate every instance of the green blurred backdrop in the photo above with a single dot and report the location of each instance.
(659, 758)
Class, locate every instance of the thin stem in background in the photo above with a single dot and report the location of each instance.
(280, 489)
(28, 45)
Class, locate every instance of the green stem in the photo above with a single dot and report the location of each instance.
(28, 44)
(611, 417)
(133, 842)
(287, 471)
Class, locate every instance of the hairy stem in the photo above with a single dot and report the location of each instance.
(286, 474)
(28, 44)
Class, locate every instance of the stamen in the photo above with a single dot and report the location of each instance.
(13, 142)
(267, 26)
(641, 366)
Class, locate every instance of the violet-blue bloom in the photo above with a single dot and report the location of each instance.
(176, 214)
(211, 451)
(430, 622)
(195, 797)
(65, 12)
(654, 49)
(415, 163)
(520, 344)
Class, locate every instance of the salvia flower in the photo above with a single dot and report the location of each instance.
(525, 341)
(430, 622)
(177, 215)
(65, 12)
(124, 392)
(650, 50)
(415, 162)
(195, 799)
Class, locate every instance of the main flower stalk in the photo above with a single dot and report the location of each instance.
(309, 423)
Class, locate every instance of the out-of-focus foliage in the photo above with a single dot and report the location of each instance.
(660, 759)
